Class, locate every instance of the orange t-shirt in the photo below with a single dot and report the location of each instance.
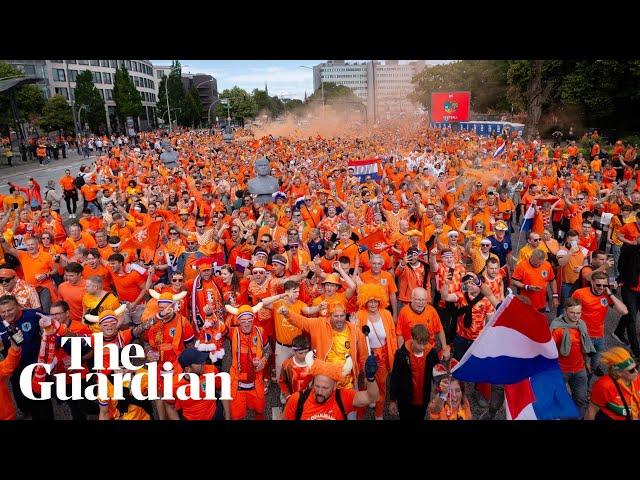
(574, 362)
(42, 263)
(312, 410)
(540, 276)
(72, 294)
(129, 285)
(385, 279)
(67, 183)
(629, 231)
(429, 317)
(594, 310)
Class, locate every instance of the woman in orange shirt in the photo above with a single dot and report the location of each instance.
(450, 403)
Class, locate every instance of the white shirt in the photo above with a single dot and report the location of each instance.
(377, 335)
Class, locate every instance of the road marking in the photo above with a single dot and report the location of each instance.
(276, 413)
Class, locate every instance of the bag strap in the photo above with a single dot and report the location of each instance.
(340, 404)
(97, 307)
(624, 401)
(301, 400)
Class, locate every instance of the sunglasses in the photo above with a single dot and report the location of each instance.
(535, 240)
(632, 369)
(5, 280)
(485, 244)
(192, 243)
(173, 233)
(264, 240)
(601, 285)
(176, 280)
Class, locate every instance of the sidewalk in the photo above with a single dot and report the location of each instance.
(20, 168)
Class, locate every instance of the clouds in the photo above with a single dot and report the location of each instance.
(284, 78)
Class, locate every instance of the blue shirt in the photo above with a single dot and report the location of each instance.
(501, 248)
(29, 323)
(316, 248)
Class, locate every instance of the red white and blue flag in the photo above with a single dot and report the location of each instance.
(515, 349)
(366, 168)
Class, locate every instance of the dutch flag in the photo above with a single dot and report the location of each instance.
(364, 168)
(500, 150)
(527, 222)
(515, 349)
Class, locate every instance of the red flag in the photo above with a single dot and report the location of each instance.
(376, 242)
(144, 238)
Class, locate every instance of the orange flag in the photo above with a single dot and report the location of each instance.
(376, 242)
(144, 238)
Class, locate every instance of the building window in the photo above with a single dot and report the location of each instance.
(83, 62)
(136, 80)
(62, 91)
(57, 61)
(71, 61)
(101, 93)
(58, 75)
(28, 69)
(97, 77)
(73, 74)
(108, 94)
(128, 64)
(94, 63)
(152, 85)
(104, 63)
(113, 63)
(106, 78)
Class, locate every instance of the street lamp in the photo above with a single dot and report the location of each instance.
(321, 87)
(209, 111)
(72, 98)
(225, 101)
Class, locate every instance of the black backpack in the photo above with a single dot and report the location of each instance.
(79, 181)
(303, 398)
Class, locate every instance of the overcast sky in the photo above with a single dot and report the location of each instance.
(284, 78)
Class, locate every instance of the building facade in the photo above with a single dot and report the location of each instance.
(384, 86)
(60, 76)
(207, 87)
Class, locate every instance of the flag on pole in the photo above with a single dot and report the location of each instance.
(500, 150)
(527, 221)
(364, 168)
(516, 349)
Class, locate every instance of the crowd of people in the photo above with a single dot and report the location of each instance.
(349, 296)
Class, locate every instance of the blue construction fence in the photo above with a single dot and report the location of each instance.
(482, 128)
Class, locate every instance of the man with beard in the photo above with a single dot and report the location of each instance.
(323, 400)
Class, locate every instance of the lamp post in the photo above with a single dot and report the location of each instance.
(166, 91)
(72, 98)
(321, 87)
(209, 111)
(226, 101)
(79, 117)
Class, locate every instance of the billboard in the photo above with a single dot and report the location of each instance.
(450, 106)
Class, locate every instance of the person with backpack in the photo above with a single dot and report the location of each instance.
(323, 400)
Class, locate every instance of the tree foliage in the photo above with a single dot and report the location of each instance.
(333, 94)
(30, 99)
(241, 104)
(191, 108)
(599, 93)
(273, 106)
(56, 115)
(89, 102)
(126, 96)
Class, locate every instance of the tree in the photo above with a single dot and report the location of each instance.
(192, 108)
(241, 104)
(56, 114)
(89, 102)
(334, 94)
(177, 93)
(485, 79)
(294, 106)
(533, 82)
(30, 99)
(127, 98)
(272, 105)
